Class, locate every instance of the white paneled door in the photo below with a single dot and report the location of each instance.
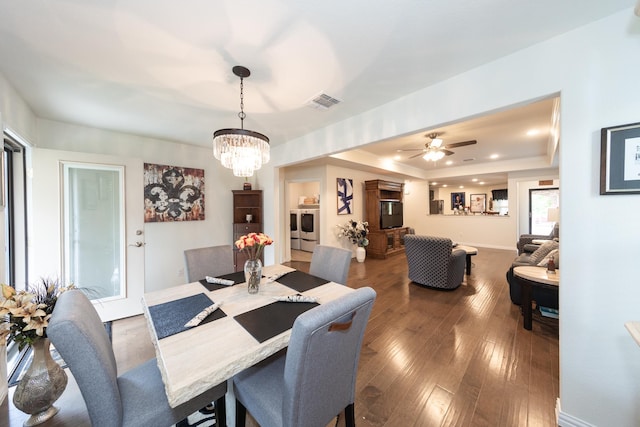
(101, 223)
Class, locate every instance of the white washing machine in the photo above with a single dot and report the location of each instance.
(309, 229)
(295, 228)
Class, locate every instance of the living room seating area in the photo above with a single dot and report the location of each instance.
(536, 254)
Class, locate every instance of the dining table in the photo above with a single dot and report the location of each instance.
(244, 330)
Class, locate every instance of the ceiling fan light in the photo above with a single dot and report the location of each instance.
(436, 142)
(433, 155)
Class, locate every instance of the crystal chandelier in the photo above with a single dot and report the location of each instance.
(242, 150)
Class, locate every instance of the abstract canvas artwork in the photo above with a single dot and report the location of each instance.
(173, 193)
(345, 196)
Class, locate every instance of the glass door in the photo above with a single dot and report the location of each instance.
(540, 201)
(94, 229)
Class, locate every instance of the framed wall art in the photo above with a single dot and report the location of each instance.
(457, 201)
(478, 203)
(620, 159)
(173, 193)
(345, 196)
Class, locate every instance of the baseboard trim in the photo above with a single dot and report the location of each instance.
(566, 420)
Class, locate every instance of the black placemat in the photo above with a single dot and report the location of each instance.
(237, 277)
(301, 281)
(273, 319)
(170, 317)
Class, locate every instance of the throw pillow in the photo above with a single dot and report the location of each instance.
(555, 254)
(542, 251)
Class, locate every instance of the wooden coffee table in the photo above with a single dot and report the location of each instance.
(470, 251)
(528, 277)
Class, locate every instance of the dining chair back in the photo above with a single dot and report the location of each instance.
(135, 398)
(330, 263)
(210, 261)
(316, 378)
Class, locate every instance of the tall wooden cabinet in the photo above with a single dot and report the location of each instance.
(388, 241)
(245, 202)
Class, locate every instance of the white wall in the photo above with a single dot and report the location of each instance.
(595, 70)
(165, 242)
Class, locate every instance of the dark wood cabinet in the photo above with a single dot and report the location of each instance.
(245, 202)
(382, 241)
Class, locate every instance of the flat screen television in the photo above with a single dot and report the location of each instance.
(390, 214)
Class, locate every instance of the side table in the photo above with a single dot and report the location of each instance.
(470, 251)
(528, 277)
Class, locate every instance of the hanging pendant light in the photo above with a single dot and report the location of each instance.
(243, 151)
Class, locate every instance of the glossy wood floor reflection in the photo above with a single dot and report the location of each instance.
(429, 357)
(453, 358)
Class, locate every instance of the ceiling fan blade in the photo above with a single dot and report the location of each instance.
(446, 152)
(411, 149)
(461, 144)
(416, 155)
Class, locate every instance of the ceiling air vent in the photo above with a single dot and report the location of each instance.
(323, 101)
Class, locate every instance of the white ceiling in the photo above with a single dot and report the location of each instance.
(519, 137)
(163, 69)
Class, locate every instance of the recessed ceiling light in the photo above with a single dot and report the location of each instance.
(397, 157)
(434, 183)
(494, 156)
(449, 162)
(462, 186)
(444, 185)
(532, 132)
(474, 180)
(481, 183)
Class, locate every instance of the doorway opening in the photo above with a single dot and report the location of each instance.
(304, 213)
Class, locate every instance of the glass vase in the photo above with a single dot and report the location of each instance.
(253, 275)
(41, 385)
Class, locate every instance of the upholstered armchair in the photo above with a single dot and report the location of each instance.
(525, 242)
(434, 262)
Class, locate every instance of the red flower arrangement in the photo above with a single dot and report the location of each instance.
(253, 244)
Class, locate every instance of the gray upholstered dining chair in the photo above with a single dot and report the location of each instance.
(433, 261)
(135, 398)
(210, 261)
(330, 263)
(316, 378)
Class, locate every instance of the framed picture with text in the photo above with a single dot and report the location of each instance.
(620, 159)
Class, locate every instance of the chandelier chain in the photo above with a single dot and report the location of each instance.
(241, 114)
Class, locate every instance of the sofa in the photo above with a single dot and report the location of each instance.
(525, 242)
(539, 256)
(433, 262)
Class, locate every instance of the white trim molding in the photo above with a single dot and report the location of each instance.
(566, 420)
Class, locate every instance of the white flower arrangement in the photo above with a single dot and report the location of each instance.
(355, 231)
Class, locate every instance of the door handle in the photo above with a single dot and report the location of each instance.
(137, 244)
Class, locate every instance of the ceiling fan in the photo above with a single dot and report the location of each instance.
(434, 150)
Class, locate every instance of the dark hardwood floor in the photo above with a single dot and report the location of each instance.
(429, 357)
(453, 358)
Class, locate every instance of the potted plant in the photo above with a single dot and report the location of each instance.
(24, 317)
(356, 232)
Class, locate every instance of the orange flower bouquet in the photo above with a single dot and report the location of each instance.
(253, 244)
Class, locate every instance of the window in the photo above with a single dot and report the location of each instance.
(14, 214)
